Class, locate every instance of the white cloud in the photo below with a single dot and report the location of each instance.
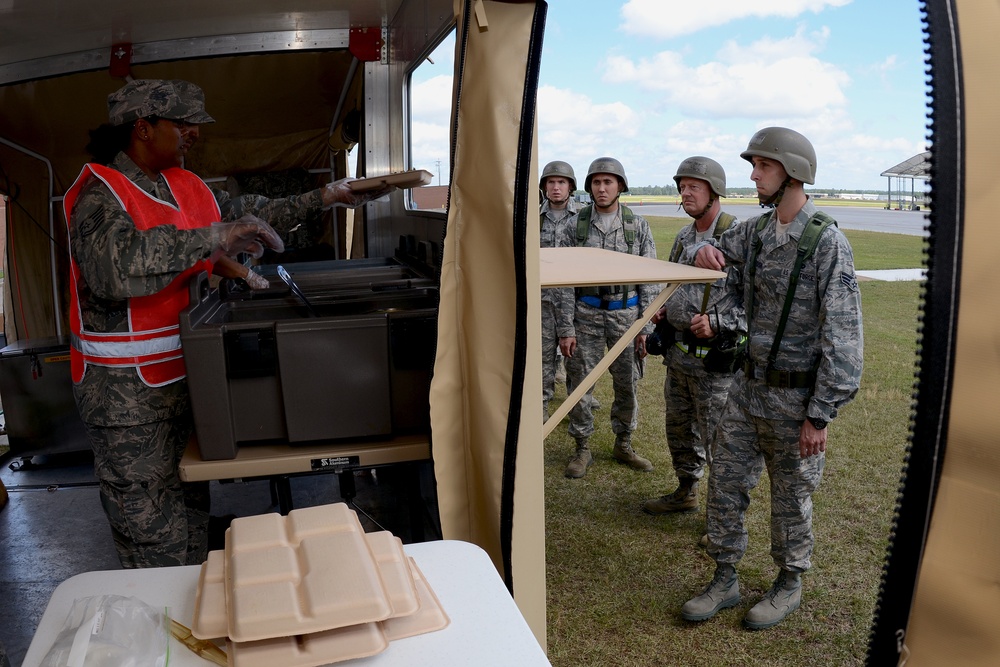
(431, 99)
(769, 77)
(574, 128)
(665, 19)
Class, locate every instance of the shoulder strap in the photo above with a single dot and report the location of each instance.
(752, 262)
(583, 224)
(628, 221)
(814, 229)
(725, 222)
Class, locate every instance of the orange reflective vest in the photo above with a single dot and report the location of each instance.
(152, 344)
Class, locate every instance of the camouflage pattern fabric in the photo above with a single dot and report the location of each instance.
(745, 446)
(156, 520)
(171, 99)
(694, 398)
(598, 330)
(693, 404)
(761, 425)
(558, 229)
(315, 228)
(824, 325)
(117, 262)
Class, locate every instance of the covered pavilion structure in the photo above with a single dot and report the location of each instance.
(916, 168)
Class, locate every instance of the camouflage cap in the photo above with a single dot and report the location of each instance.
(170, 99)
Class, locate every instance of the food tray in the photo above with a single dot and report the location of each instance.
(404, 179)
(308, 572)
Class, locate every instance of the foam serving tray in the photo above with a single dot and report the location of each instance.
(310, 571)
(404, 179)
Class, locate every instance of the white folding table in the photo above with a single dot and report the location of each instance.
(486, 628)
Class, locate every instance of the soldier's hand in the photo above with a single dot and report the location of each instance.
(811, 440)
(255, 280)
(249, 234)
(701, 326)
(710, 257)
(567, 346)
(339, 193)
(640, 346)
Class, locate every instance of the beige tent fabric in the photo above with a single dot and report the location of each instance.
(956, 610)
(476, 362)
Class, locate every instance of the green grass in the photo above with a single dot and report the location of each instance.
(617, 577)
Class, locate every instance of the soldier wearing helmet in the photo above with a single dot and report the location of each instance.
(603, 314)
(803, 363)
(695, 389)
(557, 218)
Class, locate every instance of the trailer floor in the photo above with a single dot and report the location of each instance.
(53, 527)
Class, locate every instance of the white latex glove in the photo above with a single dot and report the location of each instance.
(249, 234)
(255, 280)
(339, 193)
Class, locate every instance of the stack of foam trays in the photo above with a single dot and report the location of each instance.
(311, 588)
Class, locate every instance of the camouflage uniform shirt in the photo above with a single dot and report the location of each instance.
(118, 261)
(725, 302)
(823, 331)
(558, 230)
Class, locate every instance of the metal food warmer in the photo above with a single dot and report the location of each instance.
(342, 352)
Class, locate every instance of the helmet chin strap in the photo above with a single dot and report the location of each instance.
(775, 199)
(711, 201)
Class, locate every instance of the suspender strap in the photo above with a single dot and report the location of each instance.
(814, 229)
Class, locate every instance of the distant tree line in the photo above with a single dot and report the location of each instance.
(747, 192)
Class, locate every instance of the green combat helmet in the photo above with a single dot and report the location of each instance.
(788, 147)
(704, 169)
(558, 168)
(606, 165)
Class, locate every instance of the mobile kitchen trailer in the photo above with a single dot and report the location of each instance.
(296, 87)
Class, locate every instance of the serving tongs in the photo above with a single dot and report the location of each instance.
(287, 279)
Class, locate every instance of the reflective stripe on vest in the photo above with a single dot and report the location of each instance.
(152, 345)
(127, 352)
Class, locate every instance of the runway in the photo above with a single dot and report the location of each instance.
(913, 223)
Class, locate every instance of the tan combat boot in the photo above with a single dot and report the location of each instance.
(581, 460)
(684, 499)
(783, 598)
(721, 593)
(623, 453)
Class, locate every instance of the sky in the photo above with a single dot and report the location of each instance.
(651, 82)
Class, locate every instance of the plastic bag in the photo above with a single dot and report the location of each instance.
(111, 631)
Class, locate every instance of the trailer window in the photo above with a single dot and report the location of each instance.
(429, 98)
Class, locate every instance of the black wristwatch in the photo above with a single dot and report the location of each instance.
(818, 424)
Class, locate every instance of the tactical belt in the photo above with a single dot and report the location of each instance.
(596, 302)
(685, 341)
(780, 379)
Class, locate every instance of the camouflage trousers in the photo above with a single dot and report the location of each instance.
(550, 354)
(693, 405)
(596, 331)
(156, 520)
(744, 447)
